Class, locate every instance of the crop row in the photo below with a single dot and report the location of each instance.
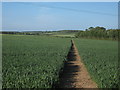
(32, 61)
(101, 60)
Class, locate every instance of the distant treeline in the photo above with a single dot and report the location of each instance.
(69, 31)
(92, 32)
(21, 33)
(99, 33)
(40, 32)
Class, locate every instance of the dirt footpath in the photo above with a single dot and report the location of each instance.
(75, 74)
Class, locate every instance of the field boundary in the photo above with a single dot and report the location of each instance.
(75, 74)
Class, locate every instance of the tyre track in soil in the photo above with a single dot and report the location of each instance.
(74, 74)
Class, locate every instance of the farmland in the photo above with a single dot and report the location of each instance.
(32, 61)
(101, 60)
(56, 44)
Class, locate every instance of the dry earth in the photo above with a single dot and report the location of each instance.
(75, 74)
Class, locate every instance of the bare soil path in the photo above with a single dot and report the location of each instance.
(75, 75)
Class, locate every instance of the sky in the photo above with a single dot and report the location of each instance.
(50, 16)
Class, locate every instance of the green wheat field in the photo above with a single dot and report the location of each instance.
(30, 61)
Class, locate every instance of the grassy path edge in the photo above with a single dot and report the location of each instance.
(75, 74)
